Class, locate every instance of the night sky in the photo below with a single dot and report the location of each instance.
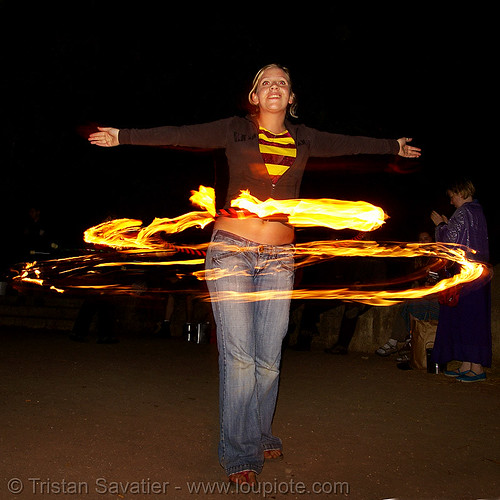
(382, 72)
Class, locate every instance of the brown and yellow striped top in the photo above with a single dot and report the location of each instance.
(278, 152)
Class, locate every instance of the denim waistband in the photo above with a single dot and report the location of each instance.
(253, 245)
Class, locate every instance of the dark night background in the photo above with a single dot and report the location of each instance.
(382, 71)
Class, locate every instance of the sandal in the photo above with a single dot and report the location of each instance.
(454, 373)
(403, 358)
(475, 377)
(243, 477)
(387, 349)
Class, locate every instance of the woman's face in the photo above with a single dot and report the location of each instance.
(273, 91)
(456, 200)
(424, 237)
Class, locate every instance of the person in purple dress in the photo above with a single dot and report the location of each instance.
(464, 330)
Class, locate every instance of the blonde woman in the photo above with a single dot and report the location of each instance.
(266, 154)
(464, 329)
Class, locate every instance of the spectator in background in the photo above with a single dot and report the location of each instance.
(464, 330)
(36, 236)
(423, 309)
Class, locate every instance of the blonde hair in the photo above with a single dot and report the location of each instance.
(292, 108)
(463, 187)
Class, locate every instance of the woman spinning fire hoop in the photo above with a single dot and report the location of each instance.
(267, 155)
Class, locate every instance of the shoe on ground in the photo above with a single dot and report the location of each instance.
(454, 373)
(403, 358)
(471, 376)
(337, 349)
(387, 349)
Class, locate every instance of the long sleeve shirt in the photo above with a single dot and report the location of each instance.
(467, 226)
(238, 136)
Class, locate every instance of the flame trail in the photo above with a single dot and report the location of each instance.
(334, 214)
(316, 251)
(136, 247)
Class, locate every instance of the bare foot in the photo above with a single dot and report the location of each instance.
(273, 454)
(465, 367)
(244, 477)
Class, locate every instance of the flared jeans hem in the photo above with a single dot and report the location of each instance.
(249, 338)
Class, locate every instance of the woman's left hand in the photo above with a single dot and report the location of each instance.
(438, 219)
(407, 151)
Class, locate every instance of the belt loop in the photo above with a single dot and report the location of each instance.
(214, 234)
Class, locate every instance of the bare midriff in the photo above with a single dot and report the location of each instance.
(258, 230)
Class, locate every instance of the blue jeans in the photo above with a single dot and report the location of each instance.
(249, 338)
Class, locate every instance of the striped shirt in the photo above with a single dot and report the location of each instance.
(278, 152)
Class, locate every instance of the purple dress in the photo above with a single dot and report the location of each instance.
(464, 331)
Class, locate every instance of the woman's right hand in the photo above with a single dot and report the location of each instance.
(438, 219)
(107, 137)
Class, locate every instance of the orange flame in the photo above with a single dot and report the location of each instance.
(129, 233)
(315, 251)
(130, 237)
(335, 214)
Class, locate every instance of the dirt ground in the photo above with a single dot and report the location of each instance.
(139, 420)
